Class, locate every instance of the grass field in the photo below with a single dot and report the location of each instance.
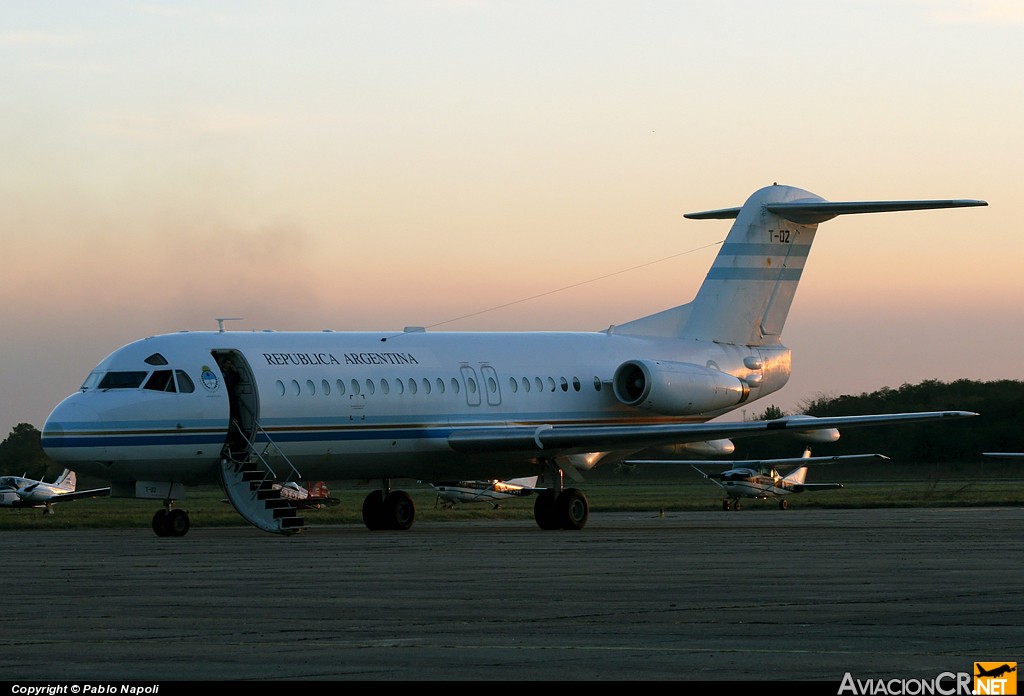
(653, 489)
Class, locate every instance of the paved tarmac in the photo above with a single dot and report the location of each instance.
(752, 595)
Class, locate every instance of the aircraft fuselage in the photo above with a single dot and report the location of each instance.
(367, 405)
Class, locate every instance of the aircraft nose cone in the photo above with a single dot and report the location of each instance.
(61, 423)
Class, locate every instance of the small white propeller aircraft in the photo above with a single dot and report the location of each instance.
(760, 479)
(21, 492)
(254, 409)
(311, 496)
(451, 492)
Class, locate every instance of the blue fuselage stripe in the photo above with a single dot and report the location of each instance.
(113, 439)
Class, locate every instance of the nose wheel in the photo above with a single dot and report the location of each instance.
(171, 523)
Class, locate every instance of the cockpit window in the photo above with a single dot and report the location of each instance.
(161, 380)
(185, 385)
(122, 380)
(92, 380)
(156, 359)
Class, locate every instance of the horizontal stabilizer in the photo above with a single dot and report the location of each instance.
(77, 495)
(815, 210)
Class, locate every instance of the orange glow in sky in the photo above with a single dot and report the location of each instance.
(377, 165)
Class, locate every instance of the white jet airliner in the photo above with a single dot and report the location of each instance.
(252, 410)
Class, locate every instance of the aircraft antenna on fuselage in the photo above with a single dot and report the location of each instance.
(221, 320)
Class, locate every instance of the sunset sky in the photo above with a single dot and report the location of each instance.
(372, 165)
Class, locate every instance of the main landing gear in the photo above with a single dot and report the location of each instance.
(171, 523)
(568, 509)
(388, 510)
(554, 509)
(558, 507)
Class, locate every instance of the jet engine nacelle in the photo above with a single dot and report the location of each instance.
(676, 388)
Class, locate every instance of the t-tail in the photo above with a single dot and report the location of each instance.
(747, 294)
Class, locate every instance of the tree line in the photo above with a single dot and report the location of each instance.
(998, 427)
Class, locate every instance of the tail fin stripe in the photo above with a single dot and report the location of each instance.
(766, 274)
(762, 250)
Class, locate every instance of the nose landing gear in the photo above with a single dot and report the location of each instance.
(171, 523)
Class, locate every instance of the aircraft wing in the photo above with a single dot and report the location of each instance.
(75, 495)
(802, 487)
(755, 463)
(567, 439)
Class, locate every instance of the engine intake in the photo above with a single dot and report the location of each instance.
(676, 388)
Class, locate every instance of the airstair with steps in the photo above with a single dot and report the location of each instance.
(254, 488)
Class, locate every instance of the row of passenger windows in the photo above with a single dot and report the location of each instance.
(178, 381)
(426, 386)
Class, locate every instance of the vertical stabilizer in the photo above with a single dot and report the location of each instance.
(746, 295)
(66, 480)
(798, 475)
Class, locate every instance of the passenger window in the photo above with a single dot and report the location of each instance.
(355, 388)
(341, 387)
(185, 384)
(575, 384)
(369, 387)
(440, 386)
(426, 385)
(455, 385)
(161, 380)
(565, 385)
